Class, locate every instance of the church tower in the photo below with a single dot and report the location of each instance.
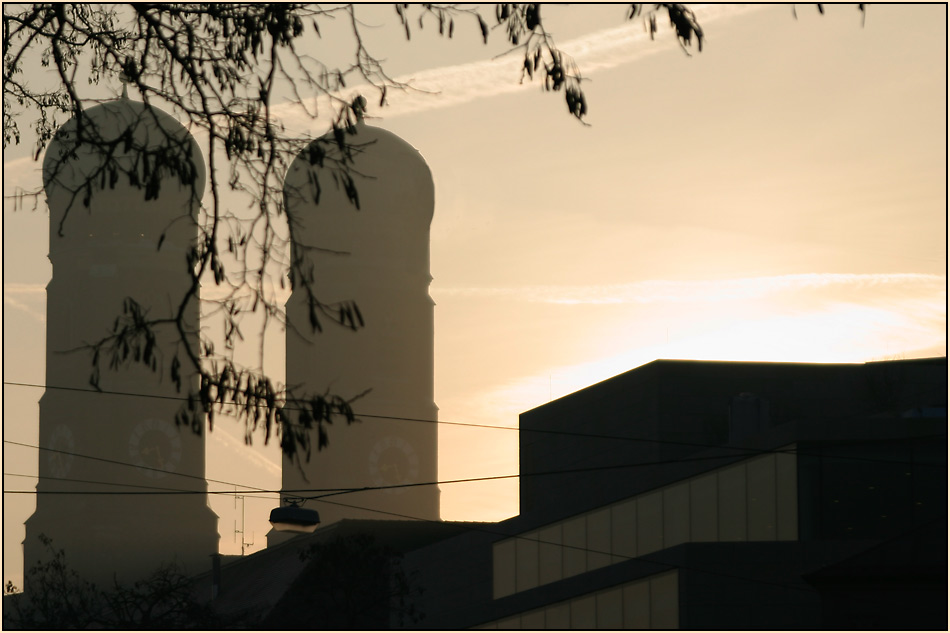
(378, 257)
(105, 456)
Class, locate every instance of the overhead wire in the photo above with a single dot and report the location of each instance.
(742, 451)
(333, 492)
(165, 489)
(122, 463)
(479, 527)
(650, 558)
(471, 525)
(328, 492)
(452, 423)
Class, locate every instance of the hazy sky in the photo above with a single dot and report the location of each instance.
(780, 196)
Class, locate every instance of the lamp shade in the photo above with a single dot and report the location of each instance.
(294, 519)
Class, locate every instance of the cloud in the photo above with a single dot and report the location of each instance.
(792, 318)
(20, 296)
(455, 85)
(229, 448)
(449, 86)
(25, 290)
(699, 291)
(836, 332)
(22, 174)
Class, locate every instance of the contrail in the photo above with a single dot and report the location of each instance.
(225, 436)
(449, 86)
(14, 303)
(455, 85)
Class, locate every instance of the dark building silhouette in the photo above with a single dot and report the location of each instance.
(717, 495)
(343, 576)
(376, 253)
(689, 494)
(103, 236)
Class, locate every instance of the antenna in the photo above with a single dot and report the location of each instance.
(244, 543)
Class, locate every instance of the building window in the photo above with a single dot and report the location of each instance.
(584, 612)
(575, 546)
(533, 620)
(753, 500)
(704, 509)
(786, 496)
(623, 530)
(732, 503)
(761, 498)
(650, 522)
(664, 601)
(610, 609)
(675, 515)
(646, 603)
(551, 554)
(528, 561)
(636, 605)
(503, 568)
(598, 539)
(558, 616)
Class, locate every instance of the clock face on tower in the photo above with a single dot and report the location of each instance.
(63, 445)
(156, 445)
(392, 462)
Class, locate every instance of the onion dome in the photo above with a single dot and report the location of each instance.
(106, 168)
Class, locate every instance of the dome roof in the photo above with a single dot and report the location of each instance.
(137, 137)
(389, 175)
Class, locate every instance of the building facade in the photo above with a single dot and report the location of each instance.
(100, 451)
(364, 241)
(687, 494)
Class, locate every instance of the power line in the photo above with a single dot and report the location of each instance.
(289, 408)
(439, 522)
(121, 463)
(743, 452)
(487, 530)
(507, 535)
(103, 483)
(335, 491)
(450, 423)
(322, 499)
(645, 557)
(329, 492)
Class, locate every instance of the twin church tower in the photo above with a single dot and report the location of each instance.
(121, 488)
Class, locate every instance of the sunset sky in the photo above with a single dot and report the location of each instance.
(780, 196)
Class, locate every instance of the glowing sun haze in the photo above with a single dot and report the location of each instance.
(780, 196)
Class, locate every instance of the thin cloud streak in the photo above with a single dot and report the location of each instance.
(697, 291)
(23, 289)
(19, 296)
(13, 303)
(456, 85)
(225, 436)
(22, 175)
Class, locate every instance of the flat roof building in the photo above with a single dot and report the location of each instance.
(716, 495)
